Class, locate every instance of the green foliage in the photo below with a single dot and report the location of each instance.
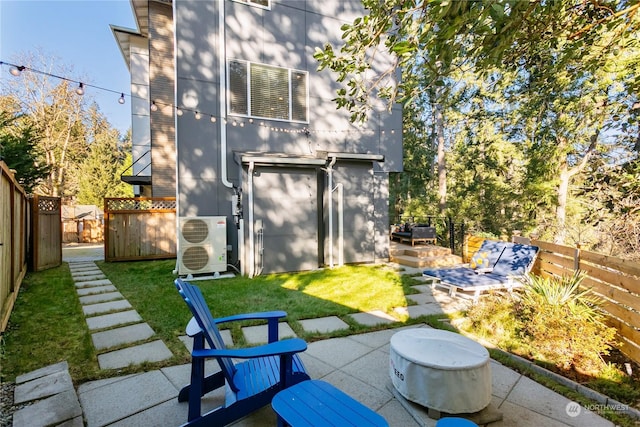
(493, 318)
(562, 323)
(99, 174)
(19, 150)
(553, 320)
(532, 94)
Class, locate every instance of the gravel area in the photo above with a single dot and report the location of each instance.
(6, 404)
(7, 408)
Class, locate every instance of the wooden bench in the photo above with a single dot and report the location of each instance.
(316, 403)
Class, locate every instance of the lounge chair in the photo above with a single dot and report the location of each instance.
(505, 264)
(251, 384)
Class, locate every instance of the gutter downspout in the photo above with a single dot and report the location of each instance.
(340, 224)
(251, 231)
(330, 173)
(223, 94)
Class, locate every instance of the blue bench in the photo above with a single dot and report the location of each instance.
(316, 403)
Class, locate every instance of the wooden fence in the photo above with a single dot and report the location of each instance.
(14, 239)
(46, 234)
(139, 228)
(616, 281)
(83, 231)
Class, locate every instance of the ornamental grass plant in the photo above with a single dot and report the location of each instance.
(557, 324)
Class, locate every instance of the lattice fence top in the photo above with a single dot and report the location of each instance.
(139, 204)
(48, 204)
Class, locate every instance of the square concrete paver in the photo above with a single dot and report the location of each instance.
(421, 298)
(114, 319)
(119, 336)
(95, 290)
(537, 398)
(105, 307)
(39, 388)
(100, 282)
(373, 318)
(42, 372)
(154, 351)
(414, 311)
(103, 297)
(337, 352)
(117, 400)
(323, 324)
(259, 334)
(55, 410)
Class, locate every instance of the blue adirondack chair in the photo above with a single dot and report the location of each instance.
(250, 384)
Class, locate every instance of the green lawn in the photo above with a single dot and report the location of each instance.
(47, 324)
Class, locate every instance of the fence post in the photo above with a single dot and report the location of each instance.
(452, 236)
(576, 258)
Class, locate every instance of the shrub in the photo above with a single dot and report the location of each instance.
(493, 318)
(563, 324)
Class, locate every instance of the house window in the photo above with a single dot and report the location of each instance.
(264, 91)
(262, 3)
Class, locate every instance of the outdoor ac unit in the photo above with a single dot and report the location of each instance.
(202, 245)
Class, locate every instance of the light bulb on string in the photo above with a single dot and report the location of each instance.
(154, 107)
(121, 99)
(15, 71)
(197, 115)
(178, 111)
(80, 89)
(213, 119)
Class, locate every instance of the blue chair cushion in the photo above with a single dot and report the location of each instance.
(516, 260)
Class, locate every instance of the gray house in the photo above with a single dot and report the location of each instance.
(231, 115)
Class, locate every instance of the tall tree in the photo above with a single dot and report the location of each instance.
(19, 150)
(99, 174)
(559, 49)
(54, 111)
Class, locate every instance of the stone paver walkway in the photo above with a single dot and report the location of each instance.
(118, 332)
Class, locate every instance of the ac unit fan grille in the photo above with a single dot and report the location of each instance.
(195, 258)
(195, 231)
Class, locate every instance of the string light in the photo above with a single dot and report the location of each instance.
(16, 70)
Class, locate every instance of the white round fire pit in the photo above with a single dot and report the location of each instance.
(440, 370)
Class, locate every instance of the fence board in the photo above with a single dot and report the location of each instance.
(611, 276)
(14, 237)
(554, 248)
(559, 260)
(618, 295)
(625, 266)
(140, 228)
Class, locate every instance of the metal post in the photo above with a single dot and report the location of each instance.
(451, 234)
